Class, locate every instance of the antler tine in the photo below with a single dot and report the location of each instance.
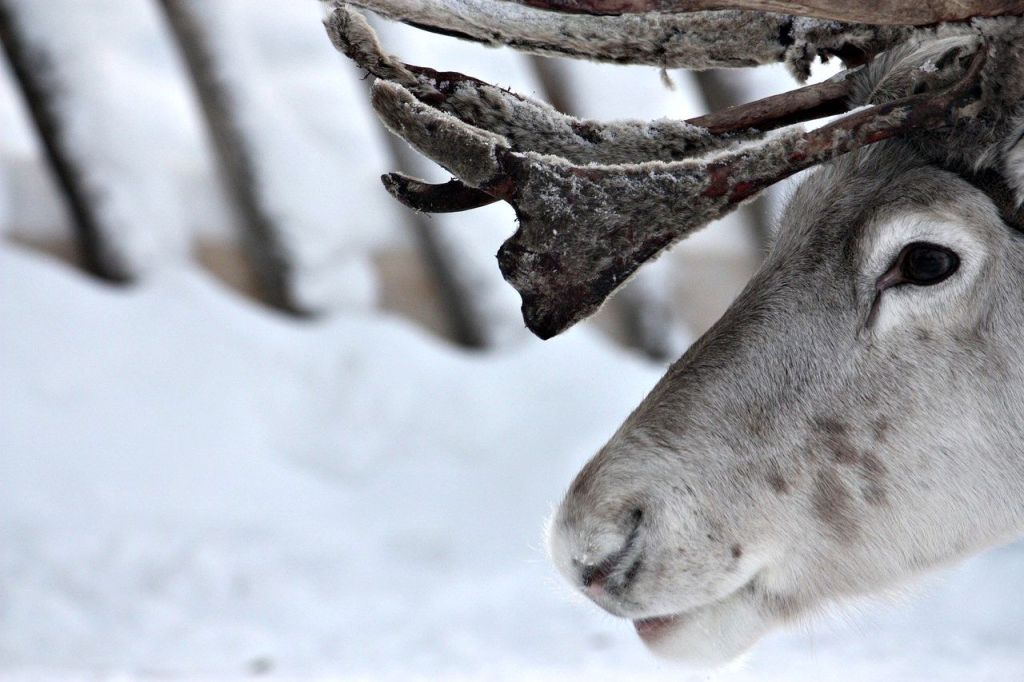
(697, 40)
(529, 125)
(716, 131)
(584, 230)
(828, 98)
(446, 197)
(469, 153)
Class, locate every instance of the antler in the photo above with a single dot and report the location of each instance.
(897, 12)
(596, 142)
(695, 40)
(596, 200)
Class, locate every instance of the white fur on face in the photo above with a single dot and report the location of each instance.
(696, 599)
(937, 305)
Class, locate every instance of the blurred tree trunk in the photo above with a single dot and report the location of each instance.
(268, 259)
(34, 71)
(463, 319)
(722, 89)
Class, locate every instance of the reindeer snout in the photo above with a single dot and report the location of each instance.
(599, 552)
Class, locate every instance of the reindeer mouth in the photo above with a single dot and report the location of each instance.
(651, 630)
(712, 633)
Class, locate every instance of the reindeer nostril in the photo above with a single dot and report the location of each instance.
(622, 565)
(596, 575)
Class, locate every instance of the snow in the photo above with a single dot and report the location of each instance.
(238, 493)
(194, 486)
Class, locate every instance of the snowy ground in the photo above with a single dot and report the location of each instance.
(194, 487)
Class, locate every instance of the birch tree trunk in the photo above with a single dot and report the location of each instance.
(34, 69)
(271, 269)
(462, 317)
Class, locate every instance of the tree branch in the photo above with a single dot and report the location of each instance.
(261, 236)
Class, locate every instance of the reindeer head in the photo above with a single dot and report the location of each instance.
(855, 416)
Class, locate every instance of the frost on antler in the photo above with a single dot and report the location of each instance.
(584, 229)
(697, 40)
(526, 124)
(596, 200)
(879, 12)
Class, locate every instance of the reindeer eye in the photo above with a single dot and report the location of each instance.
(925, 264)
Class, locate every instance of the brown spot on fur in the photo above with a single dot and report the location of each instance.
(757, 419)
(873, 471)
(776, 481)
(736, 551)
(973, 339)
(832, 505)
(834, 437)
(830, 427)
(880, 428)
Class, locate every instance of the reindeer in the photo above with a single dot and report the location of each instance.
(856, 417)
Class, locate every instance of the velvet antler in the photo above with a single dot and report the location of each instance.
(596, 200)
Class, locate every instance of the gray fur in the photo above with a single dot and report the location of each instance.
(982, 141)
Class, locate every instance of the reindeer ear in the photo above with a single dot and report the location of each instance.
(1013, 164)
